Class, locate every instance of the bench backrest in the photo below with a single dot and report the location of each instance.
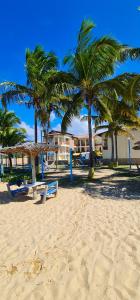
(51, 187)
(16, 182)
(52, 184)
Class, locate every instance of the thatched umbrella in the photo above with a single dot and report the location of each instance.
(31, 149)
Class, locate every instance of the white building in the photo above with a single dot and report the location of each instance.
(123, 148)
(65, 141)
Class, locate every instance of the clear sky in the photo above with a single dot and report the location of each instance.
(54, 25)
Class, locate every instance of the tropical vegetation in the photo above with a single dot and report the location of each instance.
(45, 87)
(119, 118)
(10, 132)
(91, 65)
(88, 83)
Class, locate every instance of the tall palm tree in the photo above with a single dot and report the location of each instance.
(90, 65)
(39, 66)
(46, 89)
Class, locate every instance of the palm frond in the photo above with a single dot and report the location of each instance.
(72, 110)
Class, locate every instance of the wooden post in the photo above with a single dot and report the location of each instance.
(22, 160)
(14, 158)
(43, 196)
(71, 175)
(33, 169)
(129, 153)
(56, 160)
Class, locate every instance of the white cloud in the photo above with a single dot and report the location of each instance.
(30, 131)
(53, 117)
(77, 127)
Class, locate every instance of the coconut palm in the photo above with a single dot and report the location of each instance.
(44, 84)
(90, 65)
(38, 64)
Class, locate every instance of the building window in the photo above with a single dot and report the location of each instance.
(50, 156)
(56, 141)
(67, 150)
(87, 142)
(62, 149)
(105, 144)
(83, 149)
(67, 141)
(75, 142)
(82, 142)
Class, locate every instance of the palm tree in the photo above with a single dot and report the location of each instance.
(46, 89)
(10, 134)
(120, 117)
(39, 66)
(90, 64)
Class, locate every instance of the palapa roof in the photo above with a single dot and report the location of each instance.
(29, 148)
(137, 146)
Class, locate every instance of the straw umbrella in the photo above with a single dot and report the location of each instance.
(31, 149)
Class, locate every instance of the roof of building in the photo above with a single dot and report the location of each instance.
(56, 132)
(101, 133)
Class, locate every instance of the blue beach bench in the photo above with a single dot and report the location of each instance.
(50, 189)
(19, 191)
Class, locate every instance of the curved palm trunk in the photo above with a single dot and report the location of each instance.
(35, 126)
(91, 164)
(46, 132)
(10, 161)
(112, 148)
(36, 139)
(116, 148)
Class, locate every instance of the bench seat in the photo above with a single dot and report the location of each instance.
(50, 189)
(19, 191)
(16, 192)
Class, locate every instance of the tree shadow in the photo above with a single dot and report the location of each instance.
(122, 185)
(5, 198)
(116, 189)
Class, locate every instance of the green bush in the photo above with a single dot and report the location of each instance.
(113, 165)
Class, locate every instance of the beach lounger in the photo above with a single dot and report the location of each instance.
(50, 189)
(19, 191)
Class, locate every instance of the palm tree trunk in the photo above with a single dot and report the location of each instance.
(22, 160)
(45, 135)
(116, 148)
(46, 131)
(35, 125)
(10, 161)
(91, 164)
(112, 148)
(36, 139)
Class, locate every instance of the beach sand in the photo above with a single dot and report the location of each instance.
(77, 246)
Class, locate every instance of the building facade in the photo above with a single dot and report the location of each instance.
(67, 141)
(124, 153)
(64, 143)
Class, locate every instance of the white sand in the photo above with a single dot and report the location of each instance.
(74, 247)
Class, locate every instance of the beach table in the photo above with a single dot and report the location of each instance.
(34, 186)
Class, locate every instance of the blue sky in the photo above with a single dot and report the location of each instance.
(54, 25)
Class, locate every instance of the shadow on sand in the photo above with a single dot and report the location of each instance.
(122, 185)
